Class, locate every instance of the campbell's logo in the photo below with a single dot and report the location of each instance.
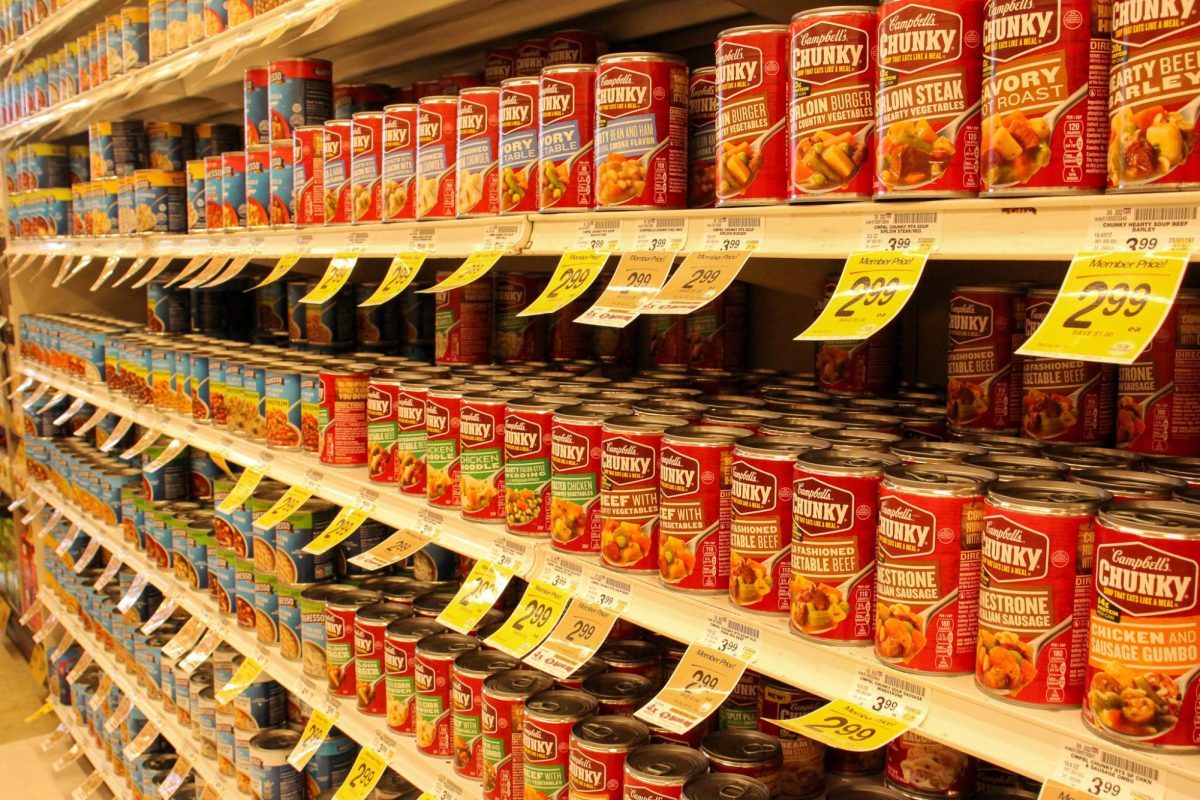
(472, 118)
(516, 111)
(568, 449)
(970, 320)
(332, 147)
(395, 660)
(564, 51)
(827, 51)
(623, 461)
(497, 67)
(915, 37)
(638, 793)
(1143, 580)
(521, 437)
(557, 99)
(819, 508)
(678, 473)
(410, 411)
(335, 627)
(702, 101)
(587, 774)
(364, 640)
(1140, 22)
(462, 696)
(429, 126)
(540, 745)
(510, 294)
(397, 133)
(475, 426)
(379, 404)
(531, 58)
(905, 530)
(621, 91)
(437, 419)
(739, 68)
(1012, 552)
(424, 678)
(753, 490)
(362, 140)
(1015, 27)
(488, 717)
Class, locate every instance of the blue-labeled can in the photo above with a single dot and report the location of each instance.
(228, 412)
(289, 619)
(214, 211)
(435, 563)
(310, 406)
(283, 175)
(243, 534)
(68, 71)
(168, 309)
(199, 367)
(169, 482)
(78, 168)
(112, 44)
(254, 392)
(162, 376)
(106, 215)
(177, 25)
(212, 139)
(292, 563)
(126, 205)
(225, 742)
(271, 776)
(222, 579)
(263, 705)
(195, 195)
(182, 379)
(45, 166)
(158, 534)
(331, 763)
(171, 145)
(266, 607)
(258, 186)
(233, 189)
(133, 521)
(195, 21)
(135, 36)
(180, 546)
(264, 538)
(204, 473)
(312, 626)
(243, 578)
(270, 304)
(282, 407)
(199, 538)
(256, 127)
(56, 211)
(161, 198)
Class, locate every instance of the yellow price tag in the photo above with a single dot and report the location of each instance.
(37, 664)
(702, 276)
(249, 670)
(310, 740)
(541, 606)
(872, 291)
(400, 274)
(1109, 307)
(345, 523)
(476, 596)
(284, 507)
(46, 708)
(576, 271)
(335, 277)
(574, 640)
(474, 268)
(241, 491)
(323, 19)
(282, 267)
(638, 276)
(366, 771)
(219, 460)
(704, 678)
(846, 726)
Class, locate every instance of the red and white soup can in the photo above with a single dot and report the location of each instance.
(599, 747)
(437, 143)
(337, 157)
(478, 142)
(399, 161)
(481, 436)
(641, 131)
(308, 175)
(431, 678)
(366, 166)
(519, 112)
(567, 175)
(503, 716)
(702, 138)
(575, 518)
(983, 381)
(342, 415)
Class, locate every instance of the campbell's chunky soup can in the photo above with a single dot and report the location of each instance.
(502, 714)
(917, 766)
(500, 63)
(437, 141)
(519, 115)
(927, 103)
(336, 162)
(927, 566)
(641, 131)
(399, 161)
(366, 166)
(399, 662)
(1036, 576)
(831, 104)
(662, 770)
(299, 93)
(342, 416)
(598, 749)
(1140, 688)
(1045, 84)
(546, 740)
(983, 380)
(752, 89)
(575, 518)
(1152, 97)
(466, 699)
(481, 437)
(1155, 392)
(566, 176)
(527, 457)
(370, 630)
(434, 665)
(835, 509)
(308, 178)
(442, 466)
(530, 57)
(702, 138)
(477, 175)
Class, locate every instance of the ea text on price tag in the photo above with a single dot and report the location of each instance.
(335, 277)
(879, 707)
(576, 271)
(534, 617)
(1163, 229)
(397, 547)
(905, 231)
(400, 274)
(701, 277)
(241, 491)
(654, 234)
(871, 292)
(284, 507)
(638, 277)
(1109, 308)
(476, 596)
(471, 270)
(250, 669)
(1096, 772)
(311, 739)
(282, 267)
(88, 787)
(704, 678)
(366, 771)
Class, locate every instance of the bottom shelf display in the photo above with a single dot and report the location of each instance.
(87, 739)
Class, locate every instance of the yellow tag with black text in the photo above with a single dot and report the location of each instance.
(335, 277)
(540, 608)
(400, 274)
(871, 292)
(576, 271)
(241, 491)
(471, 270)
(478, 593)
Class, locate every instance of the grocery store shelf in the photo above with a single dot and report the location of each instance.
(1042, 228)
(1025, 740)
(87, 743)
(30, 40)
(167, 724)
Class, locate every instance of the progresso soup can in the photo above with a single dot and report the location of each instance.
(299, 93)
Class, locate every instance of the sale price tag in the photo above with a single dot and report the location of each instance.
(169, 453)
(638, 277)
(241, 491)
(250, 669)
(184, 640)
(63, 761)
(1164, 229)
(88, 787)
(574, 640)
(80, 667)
(141, 743)
(142, 444)
(136, 587)
(1109, 308)
(576, 271)
(282, 267)
(311, 739)
(478, 593)
(701, 277)
(400, 274)
(91, 422)
(207, 646)
(539, 609)
(397, 547)
(872, 291)
(335, 277)
(1087, 771)
(165, 609)
(171, 784)
(86, 557)
(471, 270)
(366, 771)
(904, 231)
(71, 411)
(96, 700)
(120, 713)
(345, 523)
(284, 507)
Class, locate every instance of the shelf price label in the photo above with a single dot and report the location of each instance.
(444, 789)
(702, 276)
(250, 669)
(400, 274)
(311, 739)
(366, 771)
(64, 643)
(729, 234)
(576, 271)
(161, 614)
(91, 422)
(284, 507)
(347, 521)
(397, 547)
(169, 453)
(335, 277)
(655, 235)
(80, 667)
(38, 394)
(63, 761)
(88, 787)
(1162, 229)
(33, 512)
(708, 672)
(86, 557)
(156, 269)
(210, 271)
(136, 587)
(142, 444)
(141, 743)
(241, 491)
(879, 708)
(185, 639)
(207, 646)
(42, 711)
(478, 593)
(904, 231)
(71, 411)
(193, 266)
(117, 434)
(95, 701)
(282, 267)
(24, 619)
(1088, 771)
(54, 738)
(639, 275)
(110, 266)
(171, 784)
(1109, 308)
(119, 714)
(540, 608)
(584, 628)
(110, 572)
(475, 267)
(872, 291)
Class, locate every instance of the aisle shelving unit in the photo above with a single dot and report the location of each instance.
(1027, 740)
(369, 731)
(83, 737)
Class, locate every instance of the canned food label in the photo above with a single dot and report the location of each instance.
(760, 533)
(481, 436)
(382, 432)
(751, 89)
(538, 610)
(871, 292)
(694, 511)
(638, 276)
(527, 472)
(629, 502)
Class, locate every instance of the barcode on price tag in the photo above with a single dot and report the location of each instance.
(656, 234)
(1100, 773)
(724, 234)
(908, 231)
(1161, 229)
(598, 234)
